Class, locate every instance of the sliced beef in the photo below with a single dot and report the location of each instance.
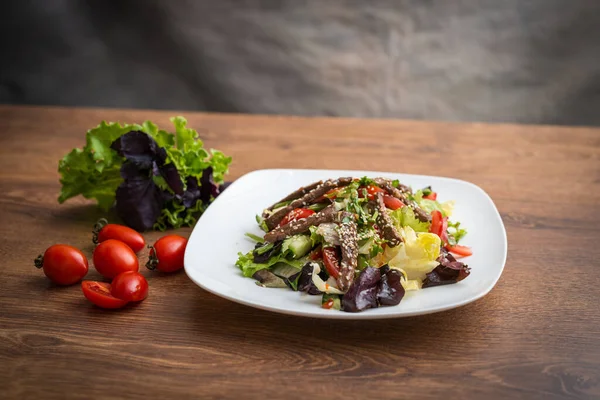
(401, 194)
(309, 198)
(293, 196)
(328, 214)
(388, 182)
(385, 223)
(349, 244)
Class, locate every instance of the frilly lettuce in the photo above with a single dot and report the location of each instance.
(246, 263)
(405, 216)
(416, 256)
(163, 179)
(446, 208)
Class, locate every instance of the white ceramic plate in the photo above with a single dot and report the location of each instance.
(219, 235)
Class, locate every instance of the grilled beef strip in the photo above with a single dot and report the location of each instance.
(400, 194)
(292, 196)
(306, 200)
(328, 214)
(385, 223)
(349, 244)
(388, 182)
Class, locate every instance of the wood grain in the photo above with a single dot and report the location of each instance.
(535, 336)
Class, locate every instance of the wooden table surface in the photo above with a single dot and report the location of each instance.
(536, 335)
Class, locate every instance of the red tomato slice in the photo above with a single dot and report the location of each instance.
(316, 254)
(328, 304)
(444, 233)
(457, 249)
(431, 196)
(436, 223)
(392, 203)
(99, 294)
(372, 191)
(331, 261)
(296, 214)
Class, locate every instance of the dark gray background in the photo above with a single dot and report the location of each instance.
(491, 60)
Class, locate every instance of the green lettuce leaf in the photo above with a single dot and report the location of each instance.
(455, 232)
(94, 171)
(431, 205)
(248, 267)
(405, 216)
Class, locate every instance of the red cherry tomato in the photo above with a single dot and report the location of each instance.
(167, 253)
(112, 257)
(431, 196)
(460, 250)
(331, 261)
(372, 191)
(99, 294)
(392, 203)
(129, 286)
(436, 222)
(295, 215)
(439, 225)
(63, 264)
(104, 231)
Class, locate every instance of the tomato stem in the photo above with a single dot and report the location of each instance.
(152, 259)
(101, 223)
(39, 261)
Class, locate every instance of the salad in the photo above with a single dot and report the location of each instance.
(358, 243)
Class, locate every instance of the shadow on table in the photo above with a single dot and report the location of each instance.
(440, 333)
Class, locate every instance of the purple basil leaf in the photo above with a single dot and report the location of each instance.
(390, 290)
(192, 192)
(140, 148)
(130, 170)
(304, 279)
(208, 187)
(171, 175)
(139, 203)
(224, 186)
(363, 291)
(449, 271)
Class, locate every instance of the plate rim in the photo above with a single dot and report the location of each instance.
(361, 315)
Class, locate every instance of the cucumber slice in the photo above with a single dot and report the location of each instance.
(299, 245)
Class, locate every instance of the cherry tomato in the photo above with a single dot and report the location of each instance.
(63, 264)
(460, 250)
(104, 231)
(99, 294)
(129, 286)
(372, 191)
(431, 196)
(167, 253)
(392, 203)
(328, 304)
(331, 261)
(112, 257)
(295, 215)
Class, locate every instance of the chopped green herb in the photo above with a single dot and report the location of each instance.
(254, 237)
